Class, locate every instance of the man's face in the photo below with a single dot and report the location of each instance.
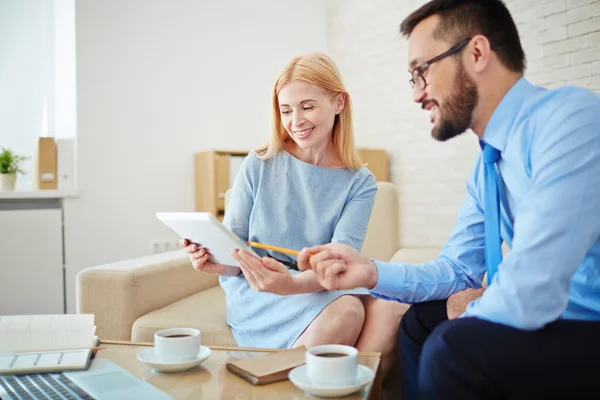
(450, 94)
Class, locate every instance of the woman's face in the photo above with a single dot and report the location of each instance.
(308, 112)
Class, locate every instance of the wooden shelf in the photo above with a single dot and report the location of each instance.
(37, 194)
(212, 175)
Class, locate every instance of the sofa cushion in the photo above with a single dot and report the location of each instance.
(416, 255)
(204, 311)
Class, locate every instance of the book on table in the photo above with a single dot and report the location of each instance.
(46, 343)
(268, 368)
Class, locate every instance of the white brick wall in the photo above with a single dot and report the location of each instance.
(561, 39)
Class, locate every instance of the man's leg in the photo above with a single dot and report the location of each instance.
(470, 358)
(416, 325)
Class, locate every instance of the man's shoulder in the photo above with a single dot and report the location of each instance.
(550, 104)
(559, 120)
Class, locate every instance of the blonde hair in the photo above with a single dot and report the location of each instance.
(320, 70)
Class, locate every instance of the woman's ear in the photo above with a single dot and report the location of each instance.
(340, 102)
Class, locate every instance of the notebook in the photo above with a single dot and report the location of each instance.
(46, 343)
(268, 368)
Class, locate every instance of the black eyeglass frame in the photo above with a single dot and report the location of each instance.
(420, 70)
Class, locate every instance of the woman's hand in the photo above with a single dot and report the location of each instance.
(200, 260)
(266, 275)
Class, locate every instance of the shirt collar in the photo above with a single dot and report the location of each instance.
(498, 127)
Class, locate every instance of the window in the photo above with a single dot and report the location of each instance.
(37, 76)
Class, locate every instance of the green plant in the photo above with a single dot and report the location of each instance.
(10, 163)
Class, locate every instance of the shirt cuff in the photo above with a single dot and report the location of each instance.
(387, 279)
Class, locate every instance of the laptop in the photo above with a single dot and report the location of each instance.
(103, 380)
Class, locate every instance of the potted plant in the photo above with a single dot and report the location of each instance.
(10, 166)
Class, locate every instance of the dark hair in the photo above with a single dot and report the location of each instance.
(462, 19)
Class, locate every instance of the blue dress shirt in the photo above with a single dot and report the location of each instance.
(549, 217)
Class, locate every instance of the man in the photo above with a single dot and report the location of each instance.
(535, 330)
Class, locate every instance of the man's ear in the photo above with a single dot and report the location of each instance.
(340, 102)
(479, 53)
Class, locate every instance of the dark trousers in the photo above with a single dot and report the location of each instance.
(470, 358)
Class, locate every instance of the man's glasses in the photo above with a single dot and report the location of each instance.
(418, 74)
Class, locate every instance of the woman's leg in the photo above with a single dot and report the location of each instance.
(339, 323)
(380, 329)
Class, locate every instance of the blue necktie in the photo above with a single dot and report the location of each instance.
(491, 214)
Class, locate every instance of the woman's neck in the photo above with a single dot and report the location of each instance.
(325, 156)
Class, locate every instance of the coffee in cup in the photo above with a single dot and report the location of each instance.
(332, 355)
(177, 344)
(332, 364)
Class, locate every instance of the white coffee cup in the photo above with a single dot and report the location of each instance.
(177, 344)
(332, 364)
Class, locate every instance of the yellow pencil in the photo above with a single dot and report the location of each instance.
(274, 248)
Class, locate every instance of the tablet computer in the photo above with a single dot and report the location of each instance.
(205, 229)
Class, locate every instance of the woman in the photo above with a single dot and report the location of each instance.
(307, 186)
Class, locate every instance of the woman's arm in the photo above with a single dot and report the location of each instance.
(239, 207)
(269, 275)
(306, 282)
(350, 229)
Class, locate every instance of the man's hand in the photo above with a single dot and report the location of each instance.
(338, 266)
(457, 302)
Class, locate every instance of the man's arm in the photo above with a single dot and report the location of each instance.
(460, 265)
(556, 226)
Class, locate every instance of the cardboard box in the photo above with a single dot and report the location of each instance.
(377, 162)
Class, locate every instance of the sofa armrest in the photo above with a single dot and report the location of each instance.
(119, 293)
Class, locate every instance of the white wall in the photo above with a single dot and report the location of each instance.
(158, 81)
(562, 42)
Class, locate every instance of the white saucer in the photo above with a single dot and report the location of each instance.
(297, 376)
(148, 357)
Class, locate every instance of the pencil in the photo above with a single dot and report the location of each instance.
(274, 248)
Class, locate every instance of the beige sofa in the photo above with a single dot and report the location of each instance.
(134, 298)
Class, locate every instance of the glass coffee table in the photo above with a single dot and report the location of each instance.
(211, 380)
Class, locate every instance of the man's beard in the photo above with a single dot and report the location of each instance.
(457, 113)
